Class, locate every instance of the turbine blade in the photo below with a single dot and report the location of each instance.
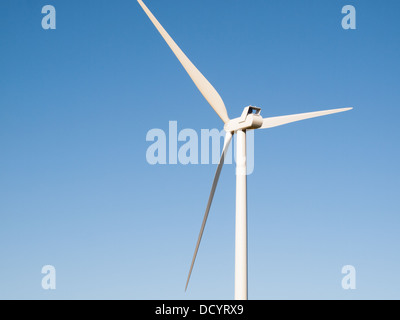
(278, 121)
(228, 138)
(206, 89)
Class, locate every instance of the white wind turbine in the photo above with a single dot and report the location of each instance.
(249, 120)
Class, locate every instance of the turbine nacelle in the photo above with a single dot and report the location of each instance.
(250, 119)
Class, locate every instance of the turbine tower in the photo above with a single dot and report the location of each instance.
(250, 119)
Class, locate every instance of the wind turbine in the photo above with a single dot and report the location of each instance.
(249, 120)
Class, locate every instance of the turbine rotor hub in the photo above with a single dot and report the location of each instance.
(249, 120)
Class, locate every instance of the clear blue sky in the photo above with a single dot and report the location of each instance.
(77, 193)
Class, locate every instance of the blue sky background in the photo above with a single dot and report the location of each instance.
(77, 193)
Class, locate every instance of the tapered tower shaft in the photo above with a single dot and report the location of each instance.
(241, 218)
